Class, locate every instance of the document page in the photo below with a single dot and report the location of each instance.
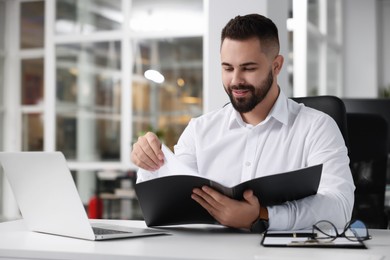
(172, 165)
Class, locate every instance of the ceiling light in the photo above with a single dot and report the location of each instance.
(154, 76)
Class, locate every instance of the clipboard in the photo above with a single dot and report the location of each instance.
(304, 240)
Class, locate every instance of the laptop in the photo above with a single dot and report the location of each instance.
(49, 201)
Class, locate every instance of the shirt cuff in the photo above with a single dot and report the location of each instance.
(278, 218)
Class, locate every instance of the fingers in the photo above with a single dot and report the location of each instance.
(227, 211)
(253, 201)
(199, 198)
(208, 198)
(204, 199)
(155, 145)
(147, 153)
(251, 198)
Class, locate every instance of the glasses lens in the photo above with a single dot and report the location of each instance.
(359, 231)
(325, 231)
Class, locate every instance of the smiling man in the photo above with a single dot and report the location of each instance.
(261, 132)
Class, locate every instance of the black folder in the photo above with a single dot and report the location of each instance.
(167, 200)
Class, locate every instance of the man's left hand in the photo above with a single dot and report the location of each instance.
(227, 211)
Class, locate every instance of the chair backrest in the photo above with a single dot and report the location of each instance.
(379, 106)
(331, 105)
(368, 137)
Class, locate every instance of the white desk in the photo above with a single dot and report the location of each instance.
(189, 242)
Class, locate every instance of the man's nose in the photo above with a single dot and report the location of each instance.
(237, 78)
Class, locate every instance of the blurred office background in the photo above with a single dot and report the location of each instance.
(87, 77)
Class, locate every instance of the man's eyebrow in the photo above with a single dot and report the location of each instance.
(241, 65)
(248, 64)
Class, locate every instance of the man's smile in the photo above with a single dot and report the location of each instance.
(240, 92)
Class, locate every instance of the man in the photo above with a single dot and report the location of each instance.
(259, 133)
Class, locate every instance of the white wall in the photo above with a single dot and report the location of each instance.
(218, 13)
(278, 12)
(360, 49)
(384, 43)
(10, 208)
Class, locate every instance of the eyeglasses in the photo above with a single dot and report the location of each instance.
(326, 231)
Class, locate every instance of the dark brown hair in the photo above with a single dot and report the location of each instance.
(253, 25)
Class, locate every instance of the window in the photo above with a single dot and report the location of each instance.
(32, 24)
(104, 98)
(87, 16)
(97, 115)
(1, 101)
(81, 86)
(31, 100)
(2, 56)
(317, 47)
(166, 107)
(32, 74)
(88, 107)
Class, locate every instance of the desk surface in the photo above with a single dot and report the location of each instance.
(186, 242)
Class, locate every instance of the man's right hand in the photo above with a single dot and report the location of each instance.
(147, 152)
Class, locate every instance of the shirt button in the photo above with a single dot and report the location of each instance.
(248, 164)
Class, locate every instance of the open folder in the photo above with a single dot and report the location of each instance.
(305, 239)
(167, 200)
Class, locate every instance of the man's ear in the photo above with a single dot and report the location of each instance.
(277, 64)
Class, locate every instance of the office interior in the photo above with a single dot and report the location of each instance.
(88, 77)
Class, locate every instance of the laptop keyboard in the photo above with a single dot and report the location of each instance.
(104, 231)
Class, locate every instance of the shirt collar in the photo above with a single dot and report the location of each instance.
(279, 111)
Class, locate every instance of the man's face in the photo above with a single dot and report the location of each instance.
(246, 73)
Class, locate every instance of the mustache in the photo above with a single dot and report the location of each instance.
(242, 87)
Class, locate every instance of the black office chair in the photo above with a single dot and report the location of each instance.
(368, 137)
(331, 105)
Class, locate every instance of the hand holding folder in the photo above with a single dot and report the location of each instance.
(167, 200)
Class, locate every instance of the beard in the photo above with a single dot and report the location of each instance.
(256, 94)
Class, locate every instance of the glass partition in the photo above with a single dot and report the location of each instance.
(313, 66)
(167, 16)
(32, 82)
(87, 16)
(32, 24)
(32, 75)
(1, 102)
(89, 83)
(321, 59)
(334, 43)
(1, 129)
(1, 87)
(167, 86)
(313, 12)
(32, 132)
(88, 101)
(2, 26)
(2, 37)
(334, 72)
(333, 24)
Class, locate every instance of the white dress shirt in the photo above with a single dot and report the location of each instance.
(221, 146)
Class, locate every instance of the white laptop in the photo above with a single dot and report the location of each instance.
(49, 201)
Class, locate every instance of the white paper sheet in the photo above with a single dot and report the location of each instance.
(172, 165)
